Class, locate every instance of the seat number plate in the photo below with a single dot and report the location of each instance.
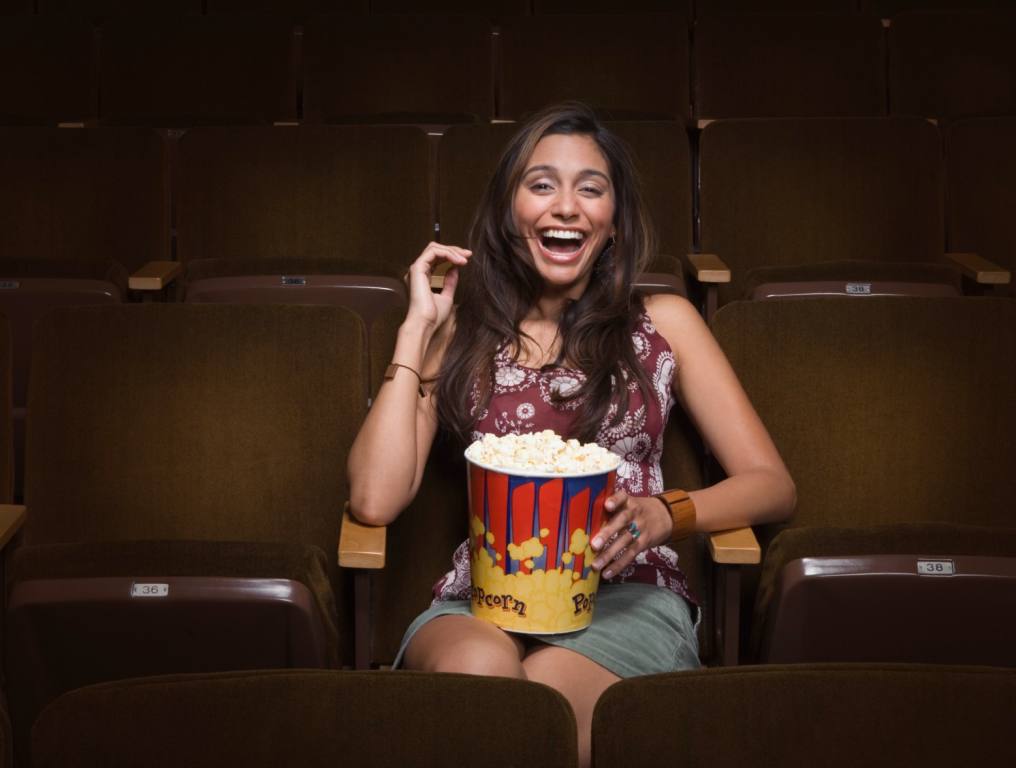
(859, 289)
(149, 590)
(936, 568)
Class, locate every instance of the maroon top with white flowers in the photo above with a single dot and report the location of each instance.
(522, 401)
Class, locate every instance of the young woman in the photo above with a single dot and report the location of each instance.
(549, 334)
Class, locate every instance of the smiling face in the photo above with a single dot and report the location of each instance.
(564, 207)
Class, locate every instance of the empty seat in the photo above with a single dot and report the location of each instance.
(625, 67)
(298, 9)
(467, 156)
(981, 190)
(47, 71)
(489, 8)
(682, 7)
(707, 7)
(82, 209)
(184, 485)
(789, 65)
(12, 7)
(948, 65)
(416, 69)
(895, 418)
(105, 9)
(889, 8)
(835, 715)
(178, 72)
(307, 718)
(846, 201)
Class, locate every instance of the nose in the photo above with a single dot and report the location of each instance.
(564, 207)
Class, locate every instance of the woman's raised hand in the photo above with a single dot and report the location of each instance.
(424, 305)
(636, 524)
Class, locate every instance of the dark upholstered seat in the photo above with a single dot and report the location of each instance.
(406, 69)
(889, 8)
(981, 190)
(840, 192)
(299, 10)
(81, 207)
(194, 70)
(492, 9)
(948, 65)
(100, 10)
(47, 71)
(640, 68)
(307, 718)
(789, 65)
(198, 447)
(549, 7)
(895, 418)
(835, 715)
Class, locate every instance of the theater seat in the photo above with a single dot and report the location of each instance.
(184, 484)
(895, 418)
(834, 715)
(307, 718)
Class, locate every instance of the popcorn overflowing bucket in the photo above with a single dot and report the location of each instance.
(529, 534)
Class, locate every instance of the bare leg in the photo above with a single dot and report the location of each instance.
(578, 679)
(465, 644)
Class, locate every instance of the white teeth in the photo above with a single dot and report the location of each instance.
(563, 234)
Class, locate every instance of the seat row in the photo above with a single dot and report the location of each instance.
(258, 69)
(185, 481)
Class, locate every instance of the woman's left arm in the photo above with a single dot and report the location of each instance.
(758, 488)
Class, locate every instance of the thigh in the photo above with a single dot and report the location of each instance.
(457, 643)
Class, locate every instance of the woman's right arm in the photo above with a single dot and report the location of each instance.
(390, 451)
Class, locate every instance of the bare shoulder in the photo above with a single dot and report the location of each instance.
(675, 318)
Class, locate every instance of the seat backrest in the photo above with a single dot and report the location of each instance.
(789, 65)
(105, 9)
(47, 71)
(709, 7)
(887, 9)
(196, 422)
(357, 197)
(640, 69)
(298, 9)
(489, 8)
(303, 717)
(885, 410)
(548, 7)
(949, 65)
(836, 715)
(83, 195)
(197, 70)
(780, 192)
(405, 68)
(981, 190)
(467, 156)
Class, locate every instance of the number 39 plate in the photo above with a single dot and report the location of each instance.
(936, 568)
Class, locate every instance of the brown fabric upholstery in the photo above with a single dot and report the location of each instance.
(15, 6)
(854, 270)
(84, 195)
(981, 190)
(952, 64)
(622, 80)
(708, 7)
(352, 194)
(792, 65)
(467, 156)
(6, 428)
(889, 8)
(297, 9)
(782, 192)
(104, 9)
(313, 719)
(47, 71)
(491, 8)
(194, 70)
(835, 715)
(682, 7)
(422, 69)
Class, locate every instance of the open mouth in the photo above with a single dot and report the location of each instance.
(562, 242)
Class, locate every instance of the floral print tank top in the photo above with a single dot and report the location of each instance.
(522, 400)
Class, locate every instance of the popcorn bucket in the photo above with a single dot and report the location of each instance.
(529, 547)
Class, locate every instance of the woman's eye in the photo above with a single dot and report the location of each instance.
(541, 186)
(593, 191)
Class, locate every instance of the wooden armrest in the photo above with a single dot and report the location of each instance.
(737, 546)
(154, 276)
(12, 517)
(979, 269)
(361, 546)
(709, 268)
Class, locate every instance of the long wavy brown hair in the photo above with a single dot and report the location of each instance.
(503, 285)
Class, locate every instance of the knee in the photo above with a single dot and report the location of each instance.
(474, 657)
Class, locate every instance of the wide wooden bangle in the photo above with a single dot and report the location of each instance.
(682, 512)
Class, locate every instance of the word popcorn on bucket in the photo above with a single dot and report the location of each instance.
(535, 501)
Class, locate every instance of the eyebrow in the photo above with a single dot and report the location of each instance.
(552, 169)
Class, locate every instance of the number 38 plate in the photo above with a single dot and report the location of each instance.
(936, 568)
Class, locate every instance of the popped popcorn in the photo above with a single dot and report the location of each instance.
(544, 452)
